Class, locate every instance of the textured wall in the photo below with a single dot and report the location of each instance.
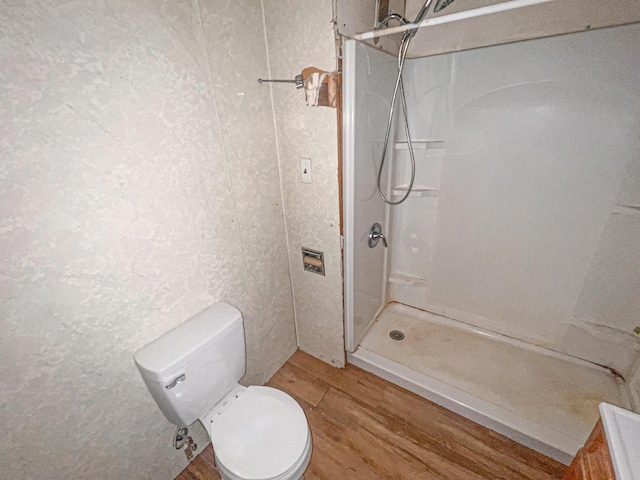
(353, 17)
(138, 185)
(300, 34)
(236, 47)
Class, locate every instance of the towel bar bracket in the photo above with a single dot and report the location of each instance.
(298, 81)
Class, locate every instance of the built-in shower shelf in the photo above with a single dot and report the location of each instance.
(401, 190)
(421, 145)
(631, 210)
(407, 280)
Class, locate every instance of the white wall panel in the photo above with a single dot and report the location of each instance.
(374, 74)
(538, 136)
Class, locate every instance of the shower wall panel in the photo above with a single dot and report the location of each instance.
(430, 117)
(374, 74)
(536, 139)
(633, 384)
(543, 19)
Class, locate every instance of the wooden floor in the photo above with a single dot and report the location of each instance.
(364, 427)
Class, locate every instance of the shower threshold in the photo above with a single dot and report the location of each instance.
(542, 399)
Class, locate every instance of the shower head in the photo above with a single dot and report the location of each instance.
(441, 4)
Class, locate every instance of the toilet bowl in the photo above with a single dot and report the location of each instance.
(261, 433)
(192, 373)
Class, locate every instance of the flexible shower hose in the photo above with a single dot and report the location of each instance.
(399, 87)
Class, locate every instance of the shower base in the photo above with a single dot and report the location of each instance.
(543, 399)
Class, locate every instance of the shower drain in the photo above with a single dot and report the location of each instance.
(396, 335)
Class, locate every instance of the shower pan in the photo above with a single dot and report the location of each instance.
(489, 297)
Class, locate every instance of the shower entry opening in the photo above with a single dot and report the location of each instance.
(503, 288)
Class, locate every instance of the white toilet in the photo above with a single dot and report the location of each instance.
(192, 372)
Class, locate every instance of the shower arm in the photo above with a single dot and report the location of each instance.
(440, 4)
(392, 16)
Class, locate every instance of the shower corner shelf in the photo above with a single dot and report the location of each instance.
(421, 145)
(407, 280)
(630, 210)
(401, 190)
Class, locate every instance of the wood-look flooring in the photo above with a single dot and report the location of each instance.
(365, 428)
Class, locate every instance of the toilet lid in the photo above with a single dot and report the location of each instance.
(262, 434)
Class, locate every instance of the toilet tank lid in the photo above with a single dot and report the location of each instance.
(178, 347)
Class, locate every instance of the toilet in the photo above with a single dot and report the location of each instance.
(192, 372)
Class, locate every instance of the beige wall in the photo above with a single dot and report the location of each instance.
(300, 34)
(237, 56)
(353, 17)
(138, 184)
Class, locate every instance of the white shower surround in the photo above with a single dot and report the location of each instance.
(438, 89)
(551, 212)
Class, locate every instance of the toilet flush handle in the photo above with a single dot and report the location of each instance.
(176, 381)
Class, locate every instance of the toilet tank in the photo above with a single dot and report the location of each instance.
(192, 367)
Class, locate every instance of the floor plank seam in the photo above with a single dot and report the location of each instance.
(323, 395)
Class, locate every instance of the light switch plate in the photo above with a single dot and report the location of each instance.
(305, 170)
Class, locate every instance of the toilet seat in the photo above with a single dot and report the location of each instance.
(294, 473)
(262, 434)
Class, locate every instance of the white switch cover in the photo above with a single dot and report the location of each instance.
(305, 170)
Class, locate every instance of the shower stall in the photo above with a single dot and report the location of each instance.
(509, 291)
